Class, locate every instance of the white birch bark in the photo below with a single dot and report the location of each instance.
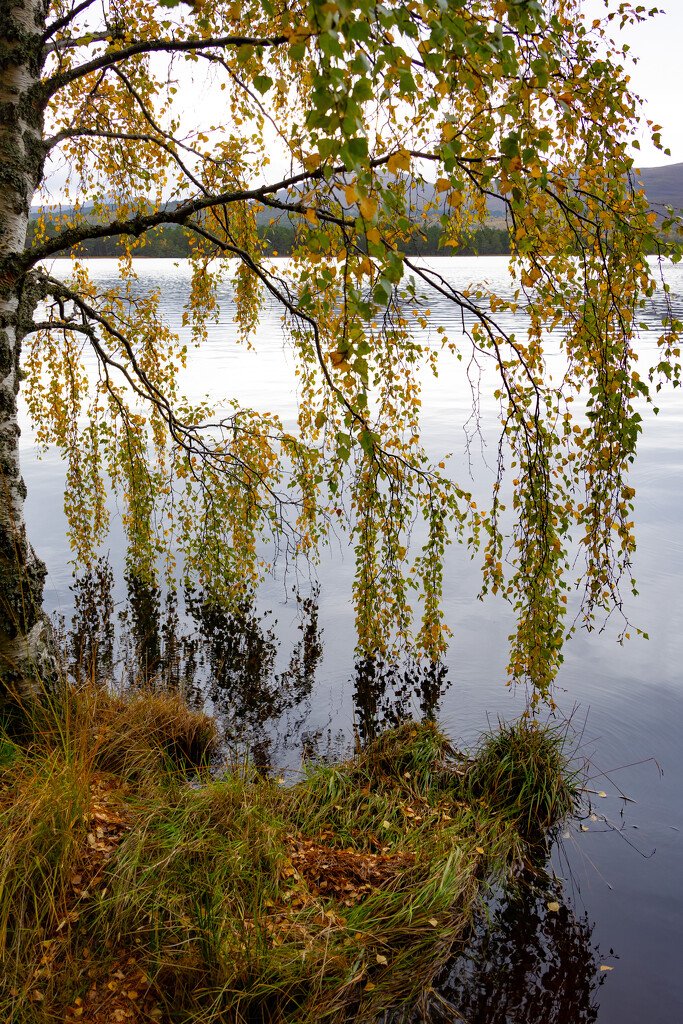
(27, 652)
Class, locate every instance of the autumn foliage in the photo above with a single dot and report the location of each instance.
(358, 123)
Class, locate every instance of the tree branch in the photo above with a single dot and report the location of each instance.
(135, 226)
(87, 40)
(108, 60)
(185, 436)
(62, 22)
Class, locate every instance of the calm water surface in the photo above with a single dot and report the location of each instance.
(285, 680)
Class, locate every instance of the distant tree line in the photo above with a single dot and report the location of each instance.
(173, 241)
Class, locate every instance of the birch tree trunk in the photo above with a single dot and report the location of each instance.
(27, 650)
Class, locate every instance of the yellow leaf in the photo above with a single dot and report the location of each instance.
(602, 793)
(553, 905)
(479, 849)
(312, 161)
(386, 824)
(312, 216)
(399, 161)
(373, 236)
(339, 362)
(381, 959)
(433, 921)
(604, 967)
(350, 195)
(368, 208)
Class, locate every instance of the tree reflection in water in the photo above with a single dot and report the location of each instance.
(526, 965)
(387, 693)
(90, 642)
(154, 646)
(229, 659)
(265, 710)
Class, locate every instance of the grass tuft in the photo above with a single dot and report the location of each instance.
(126, 893)
(522, 773)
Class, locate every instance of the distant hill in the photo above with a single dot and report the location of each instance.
(663, 185)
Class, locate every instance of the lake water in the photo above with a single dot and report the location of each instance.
(285, 682)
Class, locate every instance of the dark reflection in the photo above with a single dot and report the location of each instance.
(227, 658)
(146, 645)
(387, 693)
(239, 651)
(232, 659)
(89, 644)
(325, 745)
(155, 648)
(529, 965)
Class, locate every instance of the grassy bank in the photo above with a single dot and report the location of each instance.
(128, 892)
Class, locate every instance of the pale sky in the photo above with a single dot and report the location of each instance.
(656, 78)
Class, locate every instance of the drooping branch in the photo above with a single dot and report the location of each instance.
(108, 60)
(154, 140)
(186, 436)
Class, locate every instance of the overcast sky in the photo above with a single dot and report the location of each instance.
(656, 78)
(658, 43)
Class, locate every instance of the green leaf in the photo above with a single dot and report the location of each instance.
(262, 83)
